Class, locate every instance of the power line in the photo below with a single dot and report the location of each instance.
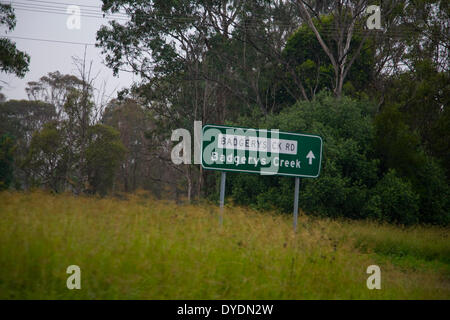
(50, 7)
(99, 7)
(253, 25)
(66, 14)
(37, 8)
(63, 8)
(124, 15)
(65, 3)
(99, 13)
(50, 40)
(250, 25)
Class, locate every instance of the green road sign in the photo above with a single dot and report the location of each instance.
(267, 152)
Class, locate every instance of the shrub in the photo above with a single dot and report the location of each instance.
(434, 193)
(404, 186)
(6, 161)
(348, 170)
(393, 200)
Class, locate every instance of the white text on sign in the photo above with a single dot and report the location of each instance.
(260, 144)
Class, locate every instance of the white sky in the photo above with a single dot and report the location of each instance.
(49, 56)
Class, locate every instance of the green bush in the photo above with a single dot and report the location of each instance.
(263, 193)
(348, 170)
(434, 193)
(103, 154)
(393, 200)
(6, 161)
(396, 144)
(370, 169)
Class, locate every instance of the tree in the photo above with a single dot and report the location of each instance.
(20, 119)
(428, 37)
(396, 145)
(393, 200)
(349, 17)
(137, 170)
(104, 153)
(199, 60)
(6, 161)
(11, 59)
(370, 169)
(421, 96)
(2, 96)
(79, 107)
(348, 171)
(54, 88)
(47, 159)
(314, 68)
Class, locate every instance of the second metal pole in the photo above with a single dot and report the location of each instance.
(297, 184)
(222, 195)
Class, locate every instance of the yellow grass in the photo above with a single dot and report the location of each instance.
(142, 248)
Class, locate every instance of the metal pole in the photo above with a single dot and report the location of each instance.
(222, 195)
(297, 184)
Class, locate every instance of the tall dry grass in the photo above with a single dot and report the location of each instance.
(141, 248)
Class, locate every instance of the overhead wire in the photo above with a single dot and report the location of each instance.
(50, 8)
(63, 6)
(63, 3)
(63, 11)
(124, 16)
(49, 40)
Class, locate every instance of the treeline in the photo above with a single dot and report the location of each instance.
(379, 98)
(357, 181)
(66, 137)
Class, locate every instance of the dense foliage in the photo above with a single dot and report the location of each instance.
(378, 97)
(12, 60)
(353, 182)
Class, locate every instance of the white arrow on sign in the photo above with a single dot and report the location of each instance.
(310, 156)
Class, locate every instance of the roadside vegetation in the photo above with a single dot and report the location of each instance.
(141, 248)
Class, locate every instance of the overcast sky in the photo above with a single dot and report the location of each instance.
(46, 57)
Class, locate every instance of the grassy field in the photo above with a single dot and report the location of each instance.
(141, 248)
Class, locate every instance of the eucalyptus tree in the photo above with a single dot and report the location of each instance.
(198, 60)
(12, 60)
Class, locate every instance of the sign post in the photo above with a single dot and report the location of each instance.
(266, 152)
(297, 183)
(222, 194)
